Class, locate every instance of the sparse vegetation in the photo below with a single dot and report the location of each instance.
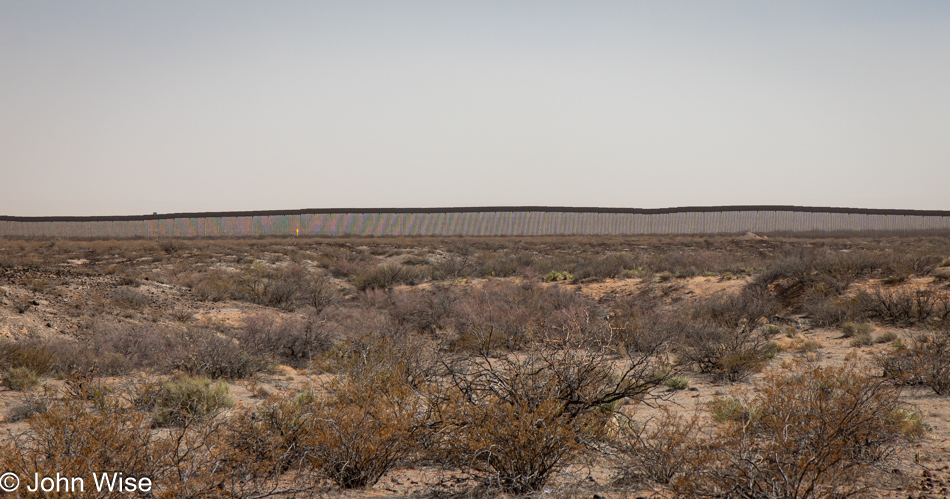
(298, 368)
(851, 329)
(20, 378)
(816, 433)
(183, 398)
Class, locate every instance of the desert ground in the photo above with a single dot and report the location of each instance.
(720, 366)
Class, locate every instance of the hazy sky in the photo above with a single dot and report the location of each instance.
(131, 107)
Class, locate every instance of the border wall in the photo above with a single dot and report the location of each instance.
(487, 221)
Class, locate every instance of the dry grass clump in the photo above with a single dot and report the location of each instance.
(20, 378)
(28, 354)
(851, 329)
(183, 398)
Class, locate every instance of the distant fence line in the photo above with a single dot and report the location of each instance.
(506, 221)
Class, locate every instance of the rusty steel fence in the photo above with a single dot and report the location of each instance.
(488, 221)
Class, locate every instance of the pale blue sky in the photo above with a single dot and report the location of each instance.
(133, 107)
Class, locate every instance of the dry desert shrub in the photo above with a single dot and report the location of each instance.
(602, 266)
(508, 316)
(662, 450)
(30, 354)
(925, 362)
(414, 359)
(363, 428)
(117, 348)
(725, 335)
(120, 348)
(321, 293)
(36, 403)
(208, 285)
(418, 311)
(352, 431)
(850, 329)
(293, 341)
(287, 286)
(504, 262)
(182, 399)
(283, 287)
(906, 307)
(20, 378)
(816, 433)
(129, 297)
(217, 356)
(76, 438)
(385, 277)
(516, 420)
(454, 266)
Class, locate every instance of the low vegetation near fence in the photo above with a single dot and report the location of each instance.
(288, 368)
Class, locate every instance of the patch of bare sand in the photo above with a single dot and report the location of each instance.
(699, 286)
